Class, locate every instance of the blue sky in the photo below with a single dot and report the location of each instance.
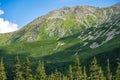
(18, 13)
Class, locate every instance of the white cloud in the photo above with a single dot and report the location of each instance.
(7, 26)
(1, 12)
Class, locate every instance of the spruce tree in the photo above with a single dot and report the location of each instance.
(58, 75)
(84, 74)
(26, 70)
(17, 67)
(96, 72)
(109, 76)
(70, 73)
(77, 70)
(117, 73)
(40, 71)
(65, 78)
(51, 77)
(101, 74)
(2, 70)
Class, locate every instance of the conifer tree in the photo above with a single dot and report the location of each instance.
(84, 74)
(40, 71)
(70, 73)
(58, 75)
(101, 74)
(109, 76)
(65, 78)
(96, 72)
(2, 70)
(51, 77)
(77, 70)
(17, 67)
(117, 73)
(26, 70)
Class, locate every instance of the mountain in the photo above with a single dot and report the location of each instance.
(61, 34)
(65, 22)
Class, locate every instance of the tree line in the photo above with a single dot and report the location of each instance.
(74, 72)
